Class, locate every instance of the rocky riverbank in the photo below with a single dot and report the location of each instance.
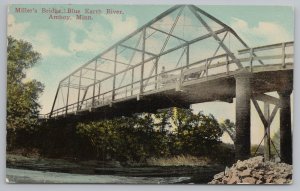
(255, 171)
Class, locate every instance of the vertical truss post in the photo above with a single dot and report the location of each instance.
(216, 51)
(267, 138)
(79, 90)
(94, 86)
(283, 55)
(132, 80)
(251, 59)
(143, 61)
(114, 78)
(99, 86)
(179, 83)
(206, 68)
(66, 112)
(156, 73)
(187, 56)
(227, 64)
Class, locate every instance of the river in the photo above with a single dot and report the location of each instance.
(32, 176)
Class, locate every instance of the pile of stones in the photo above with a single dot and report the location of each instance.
(255, 171)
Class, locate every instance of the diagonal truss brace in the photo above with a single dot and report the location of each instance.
(266, 119)
(215, 36)
(165, 43)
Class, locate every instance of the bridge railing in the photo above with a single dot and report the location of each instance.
(275, 54)
(168, 79)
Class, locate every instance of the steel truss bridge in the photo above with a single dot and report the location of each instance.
(181, 57)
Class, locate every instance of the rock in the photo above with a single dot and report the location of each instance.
(219, 176)
(214, 182)
(277, 160)
(269, 180)
(249, 180)
(259, 177)
(246, 172)
(234, 180)
(257, 165)
(261, 172)
(280, 181)
(240, 166)
(287, 176)
(259, 159)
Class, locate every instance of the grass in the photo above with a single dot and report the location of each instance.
(181, 160)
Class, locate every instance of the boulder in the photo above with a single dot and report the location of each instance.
(246, 172)
(249, 180)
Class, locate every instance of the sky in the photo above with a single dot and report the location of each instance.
(66, 45)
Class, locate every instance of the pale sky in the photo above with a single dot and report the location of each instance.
(66, 45)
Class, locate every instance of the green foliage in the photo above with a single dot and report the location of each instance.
(276, 141)
(22, 105)
(125, 139)
(164, 134)
(259, 151)
(229, 127)
(20, 56)
(275, 151)
(168, 133)
(194, 133)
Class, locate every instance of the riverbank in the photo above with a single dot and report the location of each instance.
(30, 167)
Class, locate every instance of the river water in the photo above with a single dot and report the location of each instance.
(32, 176)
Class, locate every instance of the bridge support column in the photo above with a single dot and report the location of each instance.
(285, 127)
(243, 95)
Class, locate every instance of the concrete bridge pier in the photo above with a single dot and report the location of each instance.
(285, 127)
(243, 96)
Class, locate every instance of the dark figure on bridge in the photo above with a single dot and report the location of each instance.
(162, 77)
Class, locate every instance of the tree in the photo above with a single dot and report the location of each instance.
(22, 97)
(229, 127)
(193, 134)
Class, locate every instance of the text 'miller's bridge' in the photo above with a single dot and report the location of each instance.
(181, 57)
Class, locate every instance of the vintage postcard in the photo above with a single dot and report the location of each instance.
(149, 94)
